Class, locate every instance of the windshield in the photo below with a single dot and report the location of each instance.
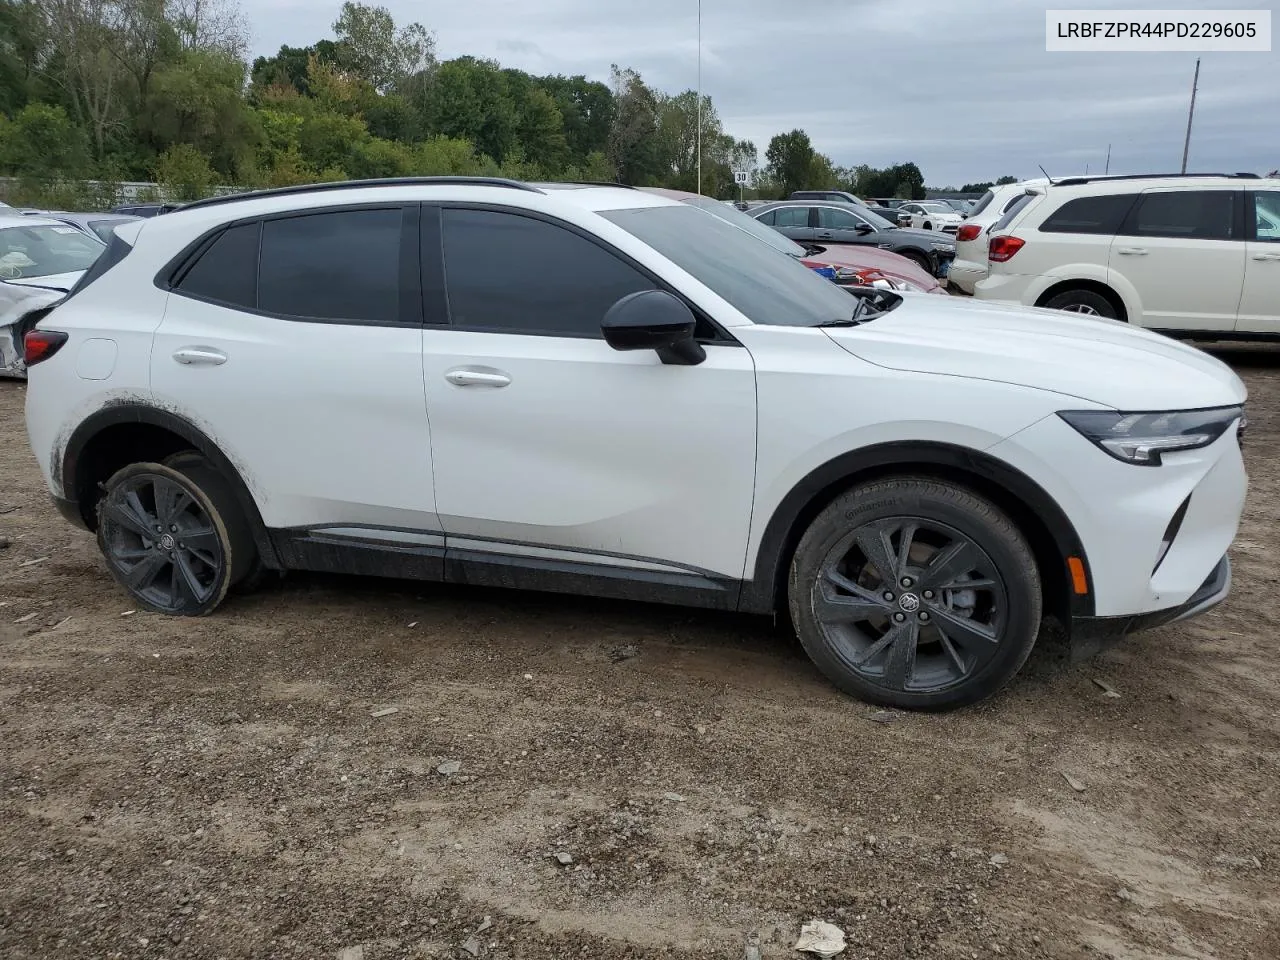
(766, 288)
(737, 218)
(935, 207)
(42, 251)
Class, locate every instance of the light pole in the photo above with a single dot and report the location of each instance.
(699, 96)
(1186, 144)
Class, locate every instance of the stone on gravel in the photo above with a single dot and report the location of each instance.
(673, 798)
(1106, 688)
(351, 953)
(32, 563)
(628, 652)
(384, 712)
(885, 716)
(449, 768)
(5, 543)
(472, 946)
(1227, 860)
(29, 616)
(563, 859)
(1073, 783)
(485, 924)
(998, 860)
(820, 938)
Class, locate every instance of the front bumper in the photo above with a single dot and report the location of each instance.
(1089, 635)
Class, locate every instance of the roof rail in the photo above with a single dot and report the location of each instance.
(359, 184)
(1107, 178)
(584, 183)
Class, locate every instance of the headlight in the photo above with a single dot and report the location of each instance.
(946, 247)
(1141, 438)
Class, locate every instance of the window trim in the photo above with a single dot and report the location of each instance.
(1128, 226)
(434, 275)
(411, 299)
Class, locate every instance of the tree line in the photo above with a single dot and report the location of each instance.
(116, 90)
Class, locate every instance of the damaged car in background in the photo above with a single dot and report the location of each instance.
(40, 261)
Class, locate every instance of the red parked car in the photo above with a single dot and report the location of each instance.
(845, 264)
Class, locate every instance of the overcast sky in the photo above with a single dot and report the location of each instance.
(964, 88)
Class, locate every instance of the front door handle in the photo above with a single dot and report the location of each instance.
(207, 356)
(1133, 251)
(1266, 256)
(824, 235)
(477, 377)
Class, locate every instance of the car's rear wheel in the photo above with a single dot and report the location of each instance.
(173, 535)
(915, 593)
(920, 259)
(1081, 300)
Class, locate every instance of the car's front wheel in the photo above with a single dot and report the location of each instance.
(173, 535)
(915, 593)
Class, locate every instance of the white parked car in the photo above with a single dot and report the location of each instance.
(1191, 255)
(970, 264)
(40, 260)
(597, 390)
(929, 215)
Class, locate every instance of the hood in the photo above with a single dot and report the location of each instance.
(1104, 361)
(920, 236)
(55, 281)
(863, 257)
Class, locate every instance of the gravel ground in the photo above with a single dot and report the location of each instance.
(632, 781)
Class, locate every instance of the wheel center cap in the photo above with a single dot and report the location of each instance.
(909, 602)
(168, 543)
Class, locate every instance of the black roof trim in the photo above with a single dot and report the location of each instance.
(358, 185)
(1105, 178)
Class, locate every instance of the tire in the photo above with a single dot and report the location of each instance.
(920, 260)
(1081, 300)
(195, 466)
(173, 535)
(937, 645)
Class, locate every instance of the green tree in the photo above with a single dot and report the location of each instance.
(329, 140)
(379, 158)
(633, 146)
(790, 157)
(184, 172)
(43, 142)
(290, 65)
(1006, 180)
(586, 108)
(469, 99)
(197, 100)
(977, 187)
(373, 48)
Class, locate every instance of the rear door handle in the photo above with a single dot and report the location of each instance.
(1266, 256)
(207, 356)
(476, 377)
(1133, 251)
(824, 234)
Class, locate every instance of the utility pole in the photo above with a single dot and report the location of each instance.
(1108, 170)
(700, 96)
(1186, 146)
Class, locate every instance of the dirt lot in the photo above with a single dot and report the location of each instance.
(220, 789)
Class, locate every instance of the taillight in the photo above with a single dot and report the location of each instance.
(970, 231)
(1001, 249)
(41, 345)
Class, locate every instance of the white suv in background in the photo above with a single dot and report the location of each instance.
(1195, 255)
(970, 264)
(596, 390)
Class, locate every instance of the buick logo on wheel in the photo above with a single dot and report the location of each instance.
(909, 602)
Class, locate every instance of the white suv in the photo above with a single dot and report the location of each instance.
(598, 390)
(1194, 255)
(970, 264)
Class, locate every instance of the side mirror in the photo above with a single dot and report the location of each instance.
(865, 228)
(654, 320)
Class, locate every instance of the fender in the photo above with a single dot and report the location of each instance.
(1097, 273)
(132, 412)
(780, 535)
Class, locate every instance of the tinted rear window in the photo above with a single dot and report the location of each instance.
(1012, 211)
(227, 272)
(1186, 214)
(332, 266)
(1090, 215)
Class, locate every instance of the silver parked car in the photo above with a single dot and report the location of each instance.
(40, 261)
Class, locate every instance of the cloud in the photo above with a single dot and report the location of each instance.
(964, 88)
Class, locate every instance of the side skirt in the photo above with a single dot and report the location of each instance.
(323, 552)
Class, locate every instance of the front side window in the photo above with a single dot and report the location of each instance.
(35, 250)
(831, 219)
(1266, 212)
(1186, 215)
(791, 217)
(341, 265)
(515, 274)
(764, 287)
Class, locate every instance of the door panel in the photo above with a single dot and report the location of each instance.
(796, 223)
(1184, 253)
(589, 449)
(1260, 300)
(325, 417)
